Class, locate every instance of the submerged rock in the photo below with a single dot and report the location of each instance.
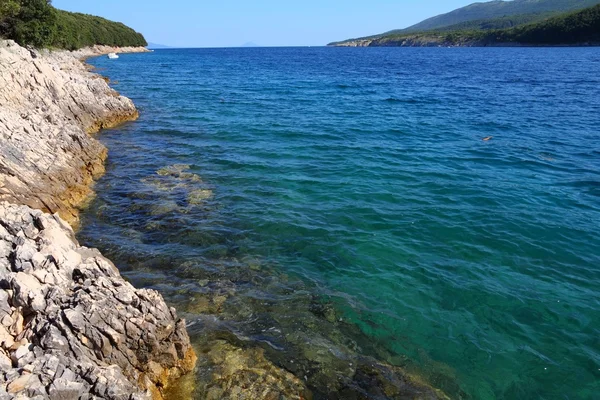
(237, 373)
(71, 327)
(199, 196)
(179, 171)
(173, 189)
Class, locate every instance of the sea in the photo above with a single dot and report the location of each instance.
(435, 210)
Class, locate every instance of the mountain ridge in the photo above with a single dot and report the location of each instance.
(157, 46)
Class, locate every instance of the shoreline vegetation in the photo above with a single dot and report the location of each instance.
(578, 28)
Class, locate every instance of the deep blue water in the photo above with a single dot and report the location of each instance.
(348, 194)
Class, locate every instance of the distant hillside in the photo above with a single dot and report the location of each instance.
(37, 23)
(574, 28)
(508, 21)
(489, 16)
(157, 46)
(582, 27)
(499, 9)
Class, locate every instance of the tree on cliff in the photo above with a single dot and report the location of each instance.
(34, 23)
(8, 9)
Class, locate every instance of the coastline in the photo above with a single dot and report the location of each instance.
(567, 26)
(433, 41)
(70, 325)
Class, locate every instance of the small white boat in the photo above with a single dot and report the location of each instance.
(113, 56)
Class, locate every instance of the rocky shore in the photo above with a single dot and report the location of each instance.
(419, 40)
(70, 326)
(412, 41)
(442, 40)
(49, 104)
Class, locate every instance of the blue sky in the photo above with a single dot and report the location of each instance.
(225, 23)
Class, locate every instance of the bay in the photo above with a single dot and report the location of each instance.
(346, 199)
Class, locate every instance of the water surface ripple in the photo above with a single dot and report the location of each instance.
(345, 197)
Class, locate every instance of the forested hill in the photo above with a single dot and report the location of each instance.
(488, 16)
(581, 27)
(39, 24)
(575, 28)
(499, 9)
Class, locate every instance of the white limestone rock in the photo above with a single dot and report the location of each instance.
(84, 333)
(48, 107)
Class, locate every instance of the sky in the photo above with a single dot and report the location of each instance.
(232, 23)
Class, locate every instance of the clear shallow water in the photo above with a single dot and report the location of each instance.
(346, 197)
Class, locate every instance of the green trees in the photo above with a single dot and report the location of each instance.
(75, 30)
(37, 23)
(28, 21)
(9, 8)
(579, 27)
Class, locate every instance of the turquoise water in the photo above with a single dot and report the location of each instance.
(348, 195)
